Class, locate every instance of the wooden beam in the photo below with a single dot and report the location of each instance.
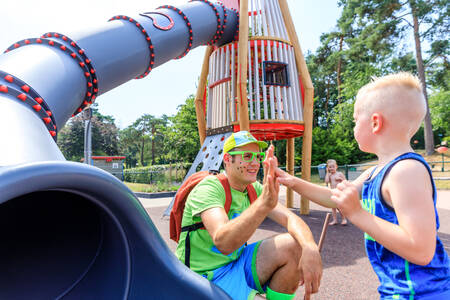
(201, 120)
(290, 155)
(241, 83)
(308, 101)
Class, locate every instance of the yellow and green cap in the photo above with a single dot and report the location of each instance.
(241, 138)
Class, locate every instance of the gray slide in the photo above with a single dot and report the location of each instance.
(72, 231)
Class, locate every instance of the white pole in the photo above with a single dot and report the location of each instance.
(297, 97)
(209, 104)
(271, 91)
(290, 89)
(250, 79)
(227, 86)
(215, 90)
(287, 110)
(273, 16)
(257, 78)
(252, 21)
(223, 86)
(220, 88)
(268, 18)
(275, 57)
(283, 31)
(260, 23)
(264, 88)
(263, 17)
(233, 83)
(263, 49)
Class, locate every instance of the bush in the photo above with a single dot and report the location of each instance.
(156, 174)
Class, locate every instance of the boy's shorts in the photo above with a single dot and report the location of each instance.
(239, 278)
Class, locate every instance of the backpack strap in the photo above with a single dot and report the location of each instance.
(252, 196)
(226, 186)
(251, 192)
(187, 249)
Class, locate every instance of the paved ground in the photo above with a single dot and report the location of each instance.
(347, 272)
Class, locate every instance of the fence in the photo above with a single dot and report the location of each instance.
(174, 174)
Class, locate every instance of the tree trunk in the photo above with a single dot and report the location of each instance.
(142, 151)
(339, 67)
(153, 144)
(326, 102)
(428, 130)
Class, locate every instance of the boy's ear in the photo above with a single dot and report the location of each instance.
(226, 157)
(377, 122)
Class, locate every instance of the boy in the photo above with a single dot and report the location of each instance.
(332, 178)
(399, 215)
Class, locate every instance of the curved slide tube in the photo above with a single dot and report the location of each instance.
(72, 231)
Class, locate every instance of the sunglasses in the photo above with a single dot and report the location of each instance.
(249, 156)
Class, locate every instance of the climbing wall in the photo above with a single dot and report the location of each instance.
(209, 158)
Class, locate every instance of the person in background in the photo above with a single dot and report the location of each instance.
(332, 178)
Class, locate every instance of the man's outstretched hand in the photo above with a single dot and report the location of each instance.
(310, 270)
(271, 188)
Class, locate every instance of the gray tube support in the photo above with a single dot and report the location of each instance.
(59, 81)
(231, 29)
(68, 73)
(118, 52)
(24, 137)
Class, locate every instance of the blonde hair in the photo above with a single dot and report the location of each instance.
(399, 95)
(331, 161)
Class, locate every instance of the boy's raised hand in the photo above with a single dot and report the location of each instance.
(284, 178)
(346, 197)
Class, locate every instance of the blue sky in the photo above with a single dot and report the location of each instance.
(168, 85)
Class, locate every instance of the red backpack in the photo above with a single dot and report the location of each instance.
(176, 214)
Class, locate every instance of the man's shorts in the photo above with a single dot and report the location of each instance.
(239, 278)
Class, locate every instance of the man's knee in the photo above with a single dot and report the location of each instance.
(291, 249)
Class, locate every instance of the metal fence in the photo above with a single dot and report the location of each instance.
(440, 171)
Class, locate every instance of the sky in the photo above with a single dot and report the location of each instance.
(170, 83)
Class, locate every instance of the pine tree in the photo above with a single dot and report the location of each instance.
(383, 28)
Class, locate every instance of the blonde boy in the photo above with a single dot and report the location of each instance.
(398, 212)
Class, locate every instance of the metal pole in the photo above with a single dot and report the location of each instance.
(87, 116)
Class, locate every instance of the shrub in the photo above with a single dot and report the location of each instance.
(156, 174)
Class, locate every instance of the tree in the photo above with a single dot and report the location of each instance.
(440, 108)
(129, 145)
(148, 128)
(337, 141)
(104, 137)
(426, 20)
(183, 142)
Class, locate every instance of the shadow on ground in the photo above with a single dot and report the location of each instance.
(347, 272)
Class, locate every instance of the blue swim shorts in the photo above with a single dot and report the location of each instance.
(239, 278)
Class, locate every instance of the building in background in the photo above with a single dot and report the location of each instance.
(110, 164)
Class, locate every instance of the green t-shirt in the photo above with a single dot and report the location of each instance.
(207, 194)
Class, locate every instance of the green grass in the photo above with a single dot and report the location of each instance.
(151, 188)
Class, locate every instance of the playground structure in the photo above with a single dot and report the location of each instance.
(259, 83)
(72, 231)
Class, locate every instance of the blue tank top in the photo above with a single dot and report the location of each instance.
(400, 279)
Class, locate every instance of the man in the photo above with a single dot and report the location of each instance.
(219, 251)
